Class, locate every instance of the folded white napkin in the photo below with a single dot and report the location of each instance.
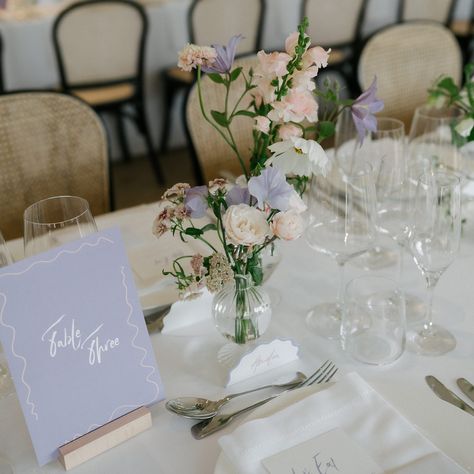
(350, 404)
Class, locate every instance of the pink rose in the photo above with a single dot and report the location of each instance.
(291, 42)
(287, 225)
(273, 64)
(245, 225)
(192, 56)
(262, 124)
(317, 56)
(288, 130)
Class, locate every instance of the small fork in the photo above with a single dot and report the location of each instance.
(207, 427)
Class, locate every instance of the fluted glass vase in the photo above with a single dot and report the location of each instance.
(242, 310)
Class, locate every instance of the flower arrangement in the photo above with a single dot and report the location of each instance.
(264, 204)
(445, 92)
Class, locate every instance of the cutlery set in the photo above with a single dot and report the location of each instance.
(448, 396)
(206, 411)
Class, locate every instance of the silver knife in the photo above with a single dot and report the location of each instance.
(445, 394)
(466, 387)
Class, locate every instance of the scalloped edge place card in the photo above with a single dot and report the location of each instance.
(245, 363)
(75, 339)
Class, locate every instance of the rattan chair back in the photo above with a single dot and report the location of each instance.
(407, 59)
(50, 144)
(433, 10)
(215, 21)
(214, 155)
(100, 42)
(328, 26)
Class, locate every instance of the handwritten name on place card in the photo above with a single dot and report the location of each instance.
(333, 452)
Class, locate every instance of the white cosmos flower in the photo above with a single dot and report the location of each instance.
(300, 157)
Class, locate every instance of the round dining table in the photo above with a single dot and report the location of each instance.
(188, 363)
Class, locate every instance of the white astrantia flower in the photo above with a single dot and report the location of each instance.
(300, 157)
(464, 127)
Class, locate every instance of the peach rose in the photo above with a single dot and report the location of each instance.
(287, 225)
(245, 225)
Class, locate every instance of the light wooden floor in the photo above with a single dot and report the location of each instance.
(135, 183)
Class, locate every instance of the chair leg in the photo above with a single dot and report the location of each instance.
(169, 92)
(142, 125)
(122, 136)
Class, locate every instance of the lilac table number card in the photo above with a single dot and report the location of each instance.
(76, 342)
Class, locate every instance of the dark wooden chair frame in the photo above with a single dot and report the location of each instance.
(348, 69)
(171, 86)
(116, 107)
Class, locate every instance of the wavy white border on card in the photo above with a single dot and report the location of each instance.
(2, 322)
(145, 354)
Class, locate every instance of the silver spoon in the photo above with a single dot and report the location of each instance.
(202, 408)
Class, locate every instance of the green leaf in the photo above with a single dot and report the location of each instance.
(209, 227)
(235, 73)
(246, 113)
(213, 76)
(448, 85)
(193, 231)
(326, 130)
(220, 118)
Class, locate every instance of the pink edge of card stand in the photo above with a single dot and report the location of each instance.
(104, 438)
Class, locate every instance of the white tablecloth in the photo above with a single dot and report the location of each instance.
(188, 365)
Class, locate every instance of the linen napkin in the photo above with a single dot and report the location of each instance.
(351, 404)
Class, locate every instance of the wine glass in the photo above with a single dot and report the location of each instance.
(342, 209)
(6, 385)
(384, 149)
(431, 143)
(434, 242)
(54, 221)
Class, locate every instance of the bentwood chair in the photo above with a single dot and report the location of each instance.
(212, 156)
(100, 50)
(407, 59)
(337, 24)
(213, 22)
(50, 144)
(440, 11)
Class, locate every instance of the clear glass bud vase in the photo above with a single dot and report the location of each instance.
(242, 310)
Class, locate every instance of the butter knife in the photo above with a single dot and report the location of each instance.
(466, 387)
(445, 394)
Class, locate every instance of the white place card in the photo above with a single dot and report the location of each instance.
(333, 452)
(250, 362)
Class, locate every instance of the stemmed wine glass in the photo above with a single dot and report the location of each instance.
(434, 242)
(430, 142)
(342, 209)
(54, 221)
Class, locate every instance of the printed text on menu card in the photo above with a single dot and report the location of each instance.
(74, 335)
(333, 452)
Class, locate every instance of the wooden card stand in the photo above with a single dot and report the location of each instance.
(104, 438)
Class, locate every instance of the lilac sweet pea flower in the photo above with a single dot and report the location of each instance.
(225, 56)
(271, 188)
(238, 195)
(195, 201)
(363, 110)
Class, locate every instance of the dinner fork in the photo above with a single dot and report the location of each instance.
(207, 427)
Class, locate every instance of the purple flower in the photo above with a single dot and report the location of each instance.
(363, 110)
(225, 56)
(238, 195)
(196, 202)
(271, 188)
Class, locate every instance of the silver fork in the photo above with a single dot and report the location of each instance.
(207, 427)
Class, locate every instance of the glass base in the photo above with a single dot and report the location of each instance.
(376, 259)
(431, 342)
(325, 320)
(374, 349)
